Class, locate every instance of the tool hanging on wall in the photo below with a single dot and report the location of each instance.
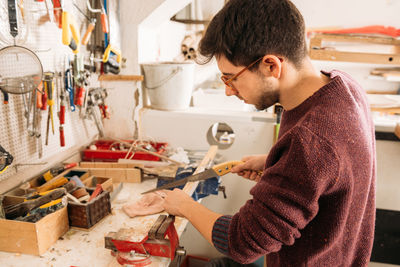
(49, 88)
(5, 159)
(103, 16)
(57, 13)
(5, 96)
(90, 28)
(70, 31)
(69, 87)
(20, 68)
(111, 63)
(96, 98)
(112, 54)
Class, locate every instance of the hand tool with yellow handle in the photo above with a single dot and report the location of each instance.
(110, 64)
(69, 27)
(217, 170)
(5, 159)
(107, 52)
(90, 28)
(53, 183)
(21, 209)
(88, 32)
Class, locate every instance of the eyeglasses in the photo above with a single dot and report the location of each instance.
(228, 81)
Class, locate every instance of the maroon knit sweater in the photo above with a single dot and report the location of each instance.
(315, 203)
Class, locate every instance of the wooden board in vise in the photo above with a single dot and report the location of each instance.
(159, 228)
(156, 226)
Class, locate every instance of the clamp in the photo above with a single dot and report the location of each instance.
(162, 241)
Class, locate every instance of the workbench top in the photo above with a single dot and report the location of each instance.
(86, 248)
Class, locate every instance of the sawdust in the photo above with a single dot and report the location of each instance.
(132, 234)
(70, 233)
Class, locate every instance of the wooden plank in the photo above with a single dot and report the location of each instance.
(117, 174)
(98, 171)
(382, 92)
(191, 186)
(109, 77)
(133, 176)
(358, 38)
(386, 110)
(333, 55)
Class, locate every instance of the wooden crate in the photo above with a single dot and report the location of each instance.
(119, 172)
(106, 183)
(85, 215)
(32, 238)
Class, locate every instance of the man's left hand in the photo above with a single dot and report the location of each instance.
(175, 202)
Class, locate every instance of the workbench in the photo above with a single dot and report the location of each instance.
(86, 248)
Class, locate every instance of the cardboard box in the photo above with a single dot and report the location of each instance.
(106, 183)
(86, 215)
(32, 238)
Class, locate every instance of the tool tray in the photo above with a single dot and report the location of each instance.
(85, 215)
(108, 151)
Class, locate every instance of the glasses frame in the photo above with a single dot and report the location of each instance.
(228, 81)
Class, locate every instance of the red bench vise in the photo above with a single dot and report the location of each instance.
(162, 241)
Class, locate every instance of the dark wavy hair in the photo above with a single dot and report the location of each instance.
(244, 30)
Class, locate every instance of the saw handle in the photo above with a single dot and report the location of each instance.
(224, 168)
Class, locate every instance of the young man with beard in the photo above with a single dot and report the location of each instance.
(314, 204)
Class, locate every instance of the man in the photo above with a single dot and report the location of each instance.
(314, 204)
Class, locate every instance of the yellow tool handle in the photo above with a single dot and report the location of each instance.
(87, 34)
(75, 34)
(68, 27)
(109, 49)
(51, 203)
(224, 168)
(66, 36)
(53, 183)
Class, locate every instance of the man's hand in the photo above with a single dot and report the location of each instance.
(251, 168)
(175, 201)
(180, 204)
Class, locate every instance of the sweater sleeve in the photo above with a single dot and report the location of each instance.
(299, 168)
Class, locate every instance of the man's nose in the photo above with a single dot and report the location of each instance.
(229, 91)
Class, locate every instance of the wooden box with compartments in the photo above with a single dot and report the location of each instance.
(87, 214)
(31, 238)
(92, 181)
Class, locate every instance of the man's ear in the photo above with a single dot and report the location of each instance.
(271, 65)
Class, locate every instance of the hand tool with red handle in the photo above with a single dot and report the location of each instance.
(104, 18)
(96, 192)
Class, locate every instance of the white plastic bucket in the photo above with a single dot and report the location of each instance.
(169, 85)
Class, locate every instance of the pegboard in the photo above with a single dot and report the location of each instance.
(44, 38)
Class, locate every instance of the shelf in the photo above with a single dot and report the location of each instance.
(318, 52)
(386, 110)
(107, 77)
